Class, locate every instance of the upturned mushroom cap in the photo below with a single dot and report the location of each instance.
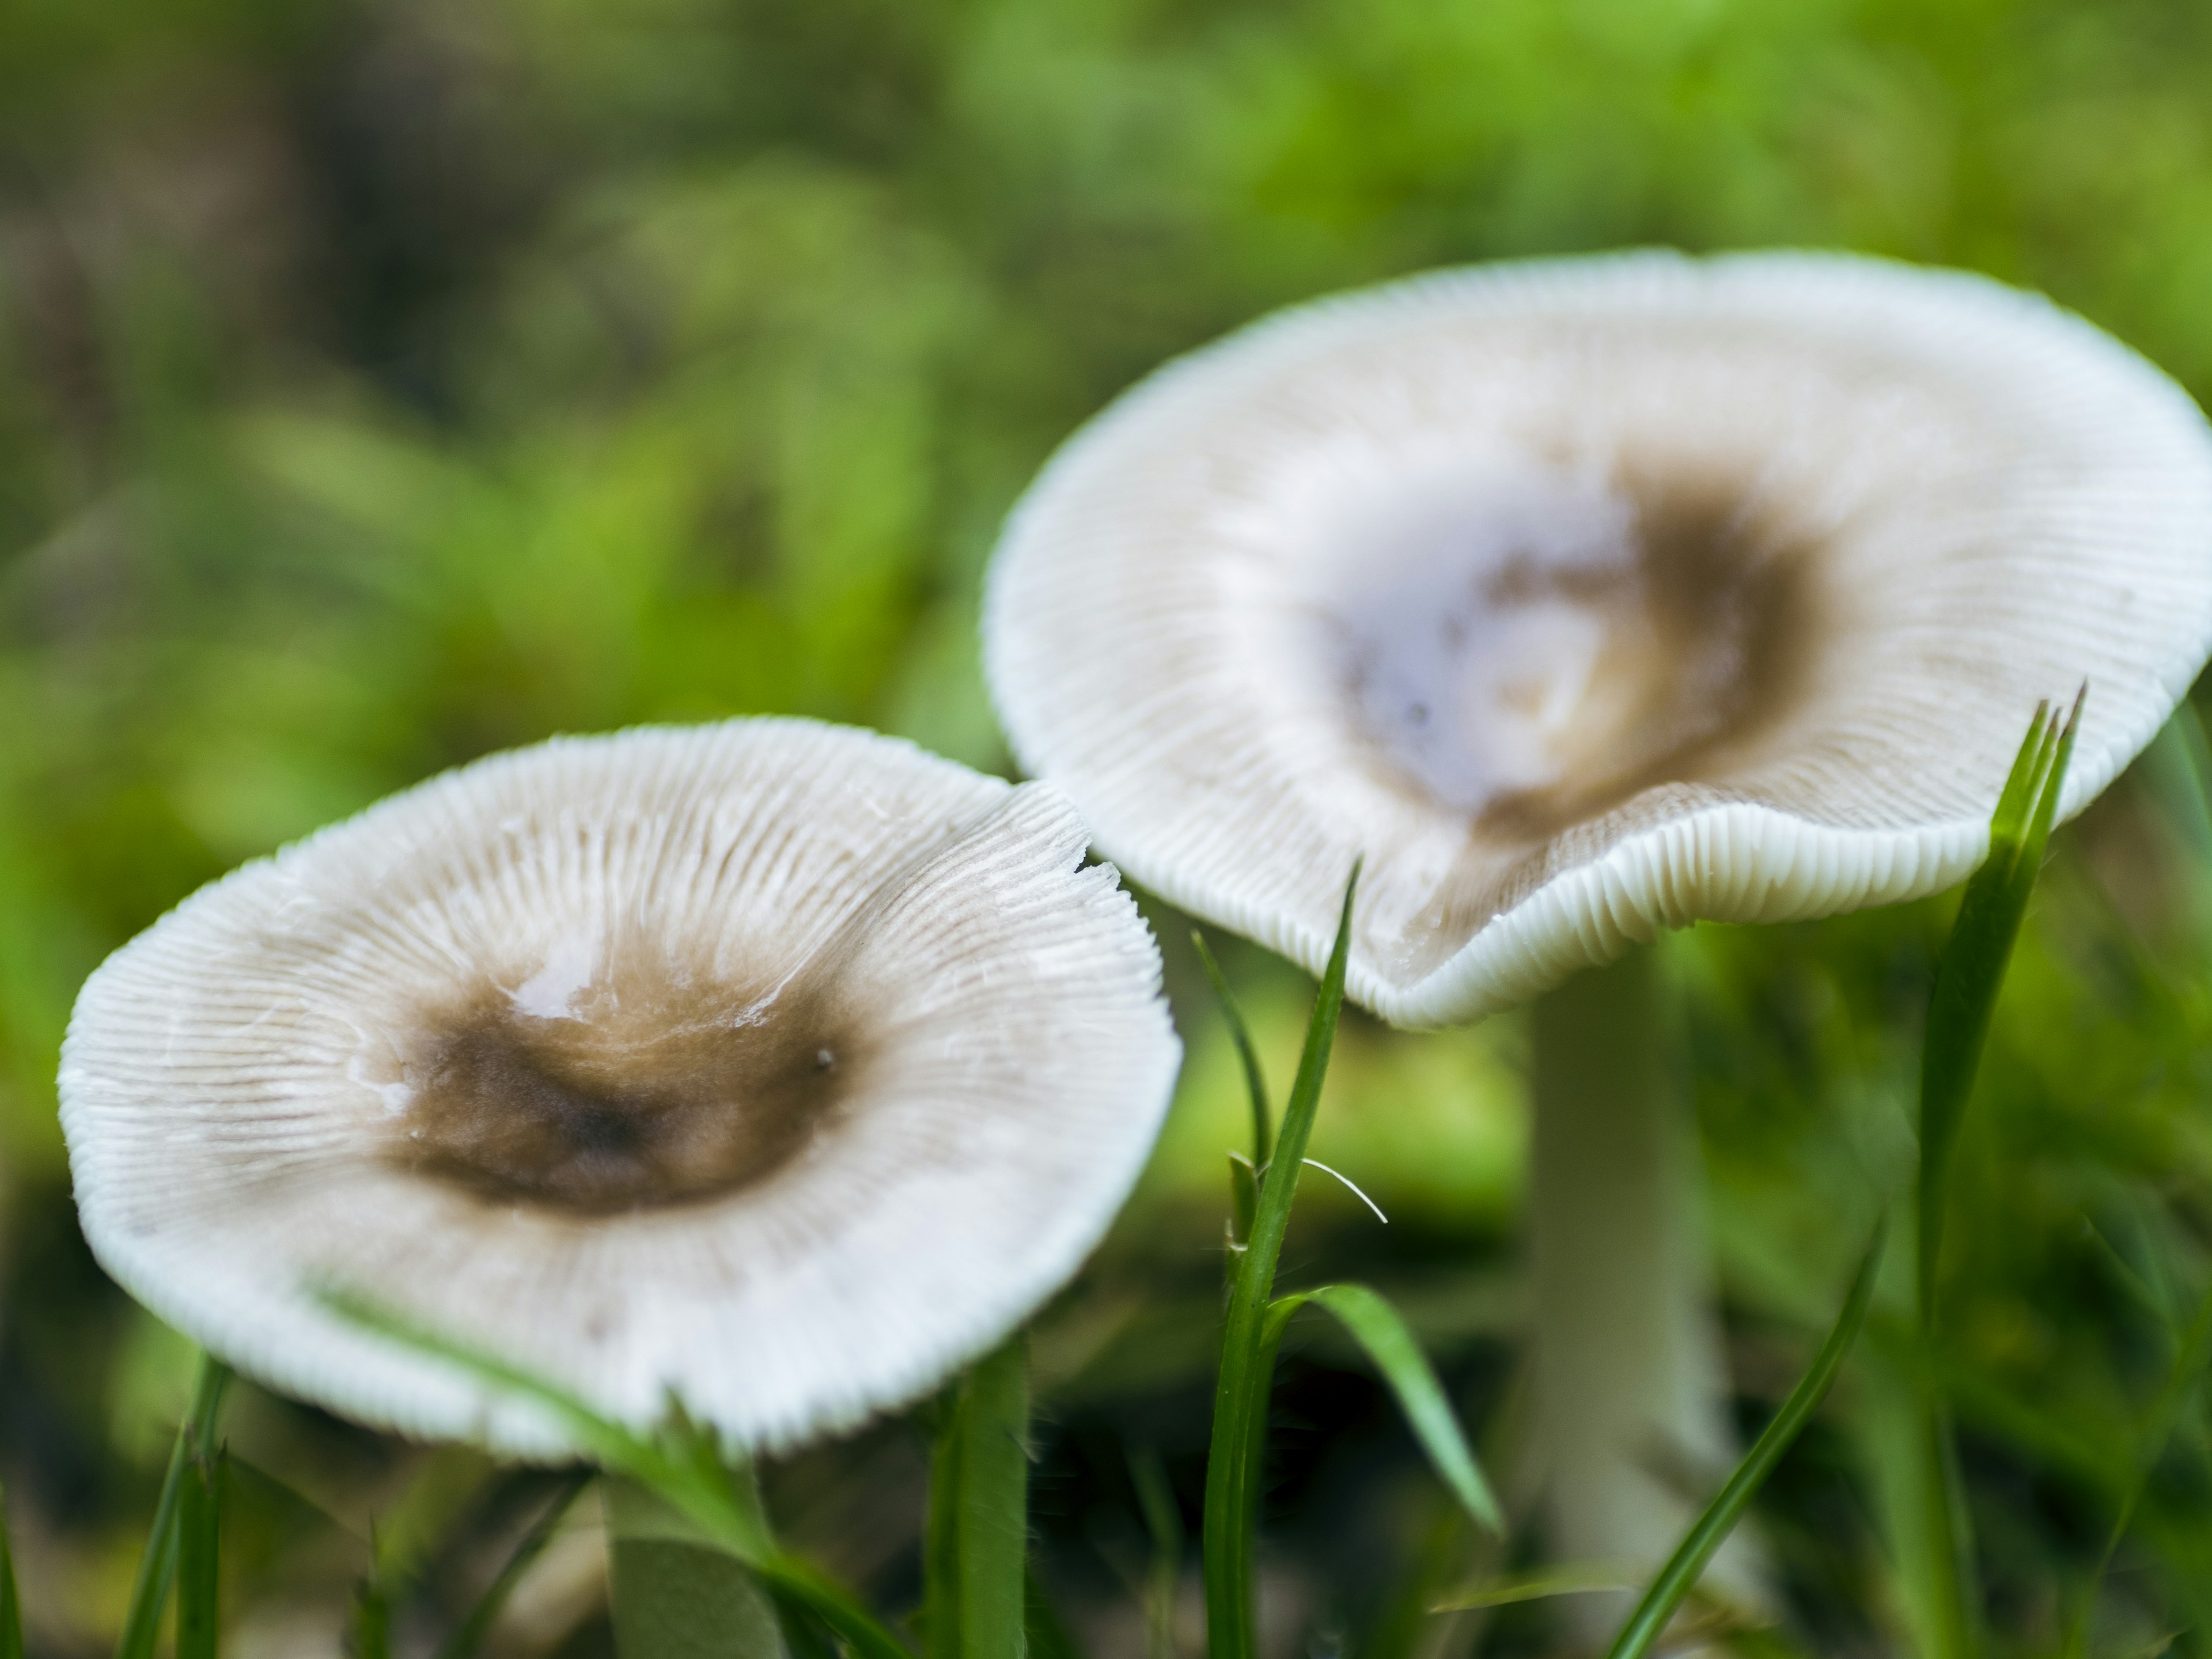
(780, 1066)
(1590, 597)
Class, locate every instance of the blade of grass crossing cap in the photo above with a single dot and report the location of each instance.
(1383, 1336)
(1256, 1083)
(157, 1567)
(1240, 1399)
(11, 1604)
(1681, 1574)
(470, 1634)
(199, 1553)
(681, 1465)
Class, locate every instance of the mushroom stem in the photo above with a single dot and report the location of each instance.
(1630, 1433)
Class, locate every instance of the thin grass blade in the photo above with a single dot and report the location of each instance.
(1048, 1636)
(1382, 1336)
(994, 1504)
(470, 1635)
(681, 1466)
(1967, 981)
(2192, 1354)
(1164, 1523)
(1255, 1082)
(1240, 1399)
(1243, 1206)
(11, 1605)
(673, 1592)
(681, 1470)
(369, 1631)
(1973, 969)
(941, 1544)
(1541, 1586)
(1681, 1574)
(199, 1554)
(157, 1567)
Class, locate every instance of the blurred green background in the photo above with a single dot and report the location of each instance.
(384, 383)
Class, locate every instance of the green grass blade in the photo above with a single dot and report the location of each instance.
(157, 1567)
(994, 1504)
(1382, 1336)
(810, 1588)
(1047, 1637)
(1973, 969)
(940, 1543)
(1240, 1399)
(199, 1554)
(1539, 1586)
(11, 1605)
(371, 1625)
(975, 1558)
(2192, 1354)
(470, 1636)
(674, 1592)
(681, 1466)
(1164, 1523)
(1967, 981)
(804, 1636)
(1243, 1206)
(1681, 1574)
(682, 1471)
(1255, 1082)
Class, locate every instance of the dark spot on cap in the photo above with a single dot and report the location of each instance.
(656, 1093)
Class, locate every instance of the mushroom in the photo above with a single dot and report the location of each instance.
(777, 1066)
(1587, 598)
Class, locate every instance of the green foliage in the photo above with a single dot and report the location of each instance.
(157, 1565)
(675, 1593)
(469, 1635)
(1256, 1320)
(382, 386)
(1383, 1336)
(199, 1551)
(681, 1465)
(1234, 1463)
(1968, 977)
(1683, 1568)
(1247, 1056)
(1973, 969)
(976, 1550)
(11, 1604)
(1164, 1525)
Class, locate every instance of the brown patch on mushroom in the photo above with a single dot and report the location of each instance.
(652, 1090)
(1651, 646)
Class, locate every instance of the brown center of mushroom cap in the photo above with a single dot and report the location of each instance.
(1534, 648)
(636, 1090)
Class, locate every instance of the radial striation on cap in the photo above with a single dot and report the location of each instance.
(1585, 598)
(778, 1066)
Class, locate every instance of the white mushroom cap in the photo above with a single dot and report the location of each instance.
(1590, 597)
(778, 1065)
